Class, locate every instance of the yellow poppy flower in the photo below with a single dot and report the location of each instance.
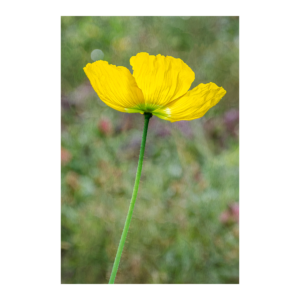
(159, 85)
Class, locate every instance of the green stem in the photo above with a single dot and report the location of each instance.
(132, 202)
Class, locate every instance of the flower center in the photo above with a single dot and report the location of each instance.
(149, 108)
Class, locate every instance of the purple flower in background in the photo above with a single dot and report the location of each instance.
(185, 128)
(231, 215)
(231, 119)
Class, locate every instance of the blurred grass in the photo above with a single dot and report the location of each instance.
(184, 228)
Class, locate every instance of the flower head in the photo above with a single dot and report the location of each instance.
(159, 85)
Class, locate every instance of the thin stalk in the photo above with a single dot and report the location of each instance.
(132, 202)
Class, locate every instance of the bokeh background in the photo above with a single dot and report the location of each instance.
(185, 223)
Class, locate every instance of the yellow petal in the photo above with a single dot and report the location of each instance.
(162, 79)
(194, 104)
(115, 86)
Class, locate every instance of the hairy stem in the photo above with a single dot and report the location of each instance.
(132, 202)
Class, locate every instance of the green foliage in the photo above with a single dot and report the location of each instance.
(190, 171)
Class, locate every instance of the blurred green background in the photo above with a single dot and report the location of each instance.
(185, 223)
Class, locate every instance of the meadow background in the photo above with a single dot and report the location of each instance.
(185, 223)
